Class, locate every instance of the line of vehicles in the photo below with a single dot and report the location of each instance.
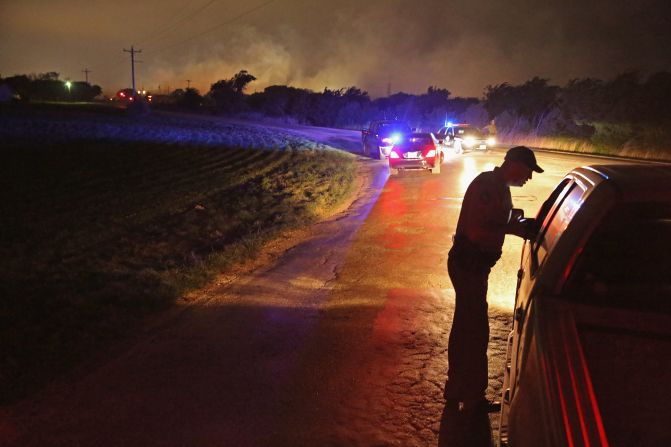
(406, 148)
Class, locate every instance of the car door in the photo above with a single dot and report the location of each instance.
(533, 255)
(450, 136)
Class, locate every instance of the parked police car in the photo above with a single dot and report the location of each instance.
(463, 137)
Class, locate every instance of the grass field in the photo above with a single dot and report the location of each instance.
(100, 232)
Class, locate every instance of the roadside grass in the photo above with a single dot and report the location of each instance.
(96, 234)
(620, 140)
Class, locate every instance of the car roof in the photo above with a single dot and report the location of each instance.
(391, 122)
(636, 182)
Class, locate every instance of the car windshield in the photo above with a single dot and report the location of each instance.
(626, 263)
(468, 131)
(416, 140)
(387, 128)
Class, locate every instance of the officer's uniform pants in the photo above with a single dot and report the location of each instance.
(467, 348)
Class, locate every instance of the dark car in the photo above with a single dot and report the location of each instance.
(589, 355)
(416, 151)
(461, 137)
(381, 136)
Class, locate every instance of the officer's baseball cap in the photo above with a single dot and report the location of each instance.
(524, 155)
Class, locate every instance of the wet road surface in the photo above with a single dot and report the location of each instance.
(341, 341)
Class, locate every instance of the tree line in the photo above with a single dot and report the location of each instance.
(48, 87)
(535, 107)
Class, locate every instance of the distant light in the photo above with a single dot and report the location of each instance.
(68, 84)
(144, 92)
(491, 141)
(448, 124)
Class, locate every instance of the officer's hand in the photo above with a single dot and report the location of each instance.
(531, 228)
(516, 214)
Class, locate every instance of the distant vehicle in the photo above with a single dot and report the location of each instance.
(416, 151)
(589, 355)
(381, 135)
(461, 137)
(128, 95)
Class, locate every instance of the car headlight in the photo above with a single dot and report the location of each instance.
(491, 141)
(469, 141)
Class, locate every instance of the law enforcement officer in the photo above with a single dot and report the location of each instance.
(486, 216)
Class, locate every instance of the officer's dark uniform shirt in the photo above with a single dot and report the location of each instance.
(485, 211)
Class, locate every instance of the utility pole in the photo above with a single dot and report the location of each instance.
(132, 52)
(389, 89)
(86, 72)
(188, 84)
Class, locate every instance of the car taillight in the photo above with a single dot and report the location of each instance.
(431, 153)
(394, 154)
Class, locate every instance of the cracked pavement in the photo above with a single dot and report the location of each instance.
(340, 340)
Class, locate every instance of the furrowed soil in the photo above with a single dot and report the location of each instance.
(107, 219)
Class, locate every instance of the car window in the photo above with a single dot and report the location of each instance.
(626, 262)
(553, 214)
(394, 127)
(544, 211)
(560, 215)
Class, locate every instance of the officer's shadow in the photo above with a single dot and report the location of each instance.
(460, 429)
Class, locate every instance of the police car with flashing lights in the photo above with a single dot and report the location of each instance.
(381, 136)
(463, 137)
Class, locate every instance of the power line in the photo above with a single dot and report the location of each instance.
(239, 16)
(174, 25)
(162, 27)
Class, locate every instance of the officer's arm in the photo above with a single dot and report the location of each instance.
(525, 228)
(496, 214)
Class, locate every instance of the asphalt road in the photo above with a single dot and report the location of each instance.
(340, 340)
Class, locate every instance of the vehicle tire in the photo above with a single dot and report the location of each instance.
(365, 150)
(379, 154)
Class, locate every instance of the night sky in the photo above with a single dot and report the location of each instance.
(460, 45)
